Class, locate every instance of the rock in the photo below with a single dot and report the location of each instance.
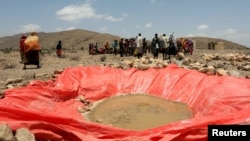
(115, 65)
(143, 66)
(210, 70)
(206, 57)
(42, 75)
(219, 65)
(179, 56)
(129, 63)
(152, 65)
(221, 72)
(246, 68)
(202, 70)
(9, 86)
(178, 62)
(186, 61)
(165, 64)
(195, 66)
(125, 66)
(58, 71)
(247, 76)
(23, 134)
(144, 61)
(234, 73)
(79, 65)
(12, 81)
(6, 133)
(80, 110)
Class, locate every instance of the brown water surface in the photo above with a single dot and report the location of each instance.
(138, 111)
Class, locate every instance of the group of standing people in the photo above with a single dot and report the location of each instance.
(185, 45)
(139, 46)
(165, 45)
(94, 49)
(131, 47)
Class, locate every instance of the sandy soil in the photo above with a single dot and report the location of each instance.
(11, 69)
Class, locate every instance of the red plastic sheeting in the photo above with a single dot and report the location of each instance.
(49, 109)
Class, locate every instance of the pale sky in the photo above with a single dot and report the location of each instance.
(224, 19)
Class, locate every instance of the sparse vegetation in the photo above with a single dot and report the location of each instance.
(9, 64)
(47, 51)
(63, 56)
(75, 52)
(75, 58)
(103, 58)
(7, 50)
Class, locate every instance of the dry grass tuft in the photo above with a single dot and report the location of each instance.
(75, 58)
(103, 58)
(9, 64)
(7, 50)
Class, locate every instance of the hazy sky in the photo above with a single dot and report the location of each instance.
(225, 19)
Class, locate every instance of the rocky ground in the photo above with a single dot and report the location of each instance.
(235, 63)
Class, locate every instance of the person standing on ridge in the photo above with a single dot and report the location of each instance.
(59, 49)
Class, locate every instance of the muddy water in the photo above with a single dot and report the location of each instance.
(138, 112)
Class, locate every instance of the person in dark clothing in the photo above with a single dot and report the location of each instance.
(59, 49)
(121, 49)
(115, 44)
(155, 45)
(144, 46)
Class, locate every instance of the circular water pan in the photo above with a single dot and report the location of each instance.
(138, 111)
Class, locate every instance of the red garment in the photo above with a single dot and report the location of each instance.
(59, 52)
(101, 50)
(21, 44)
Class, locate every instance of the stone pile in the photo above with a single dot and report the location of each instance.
(19, 82)
(21, 134)
(231, 64)
(212, 64)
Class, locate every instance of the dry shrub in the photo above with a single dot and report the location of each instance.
(47, 51)
(9, 64)
(103, 58)
(75, 58)
(7, 50)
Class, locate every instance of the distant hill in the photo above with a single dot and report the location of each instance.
(79, 38)
(70, 39)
